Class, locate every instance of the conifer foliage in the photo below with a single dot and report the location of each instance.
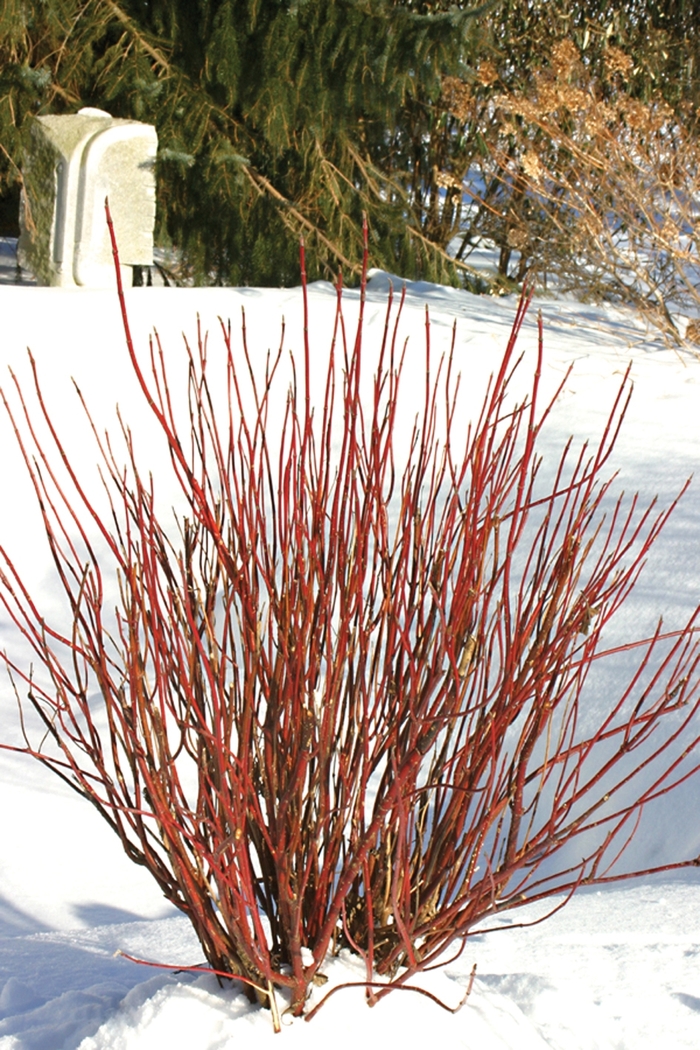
(271, 116)
(281, 118)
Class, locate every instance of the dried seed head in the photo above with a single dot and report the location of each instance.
(548, 94)
(518, 237)
(692, 332)
(532, 166)
(565, 59)
(458, 98)
(617, 61)
(635, 113)
(487, 73)
(447, 181)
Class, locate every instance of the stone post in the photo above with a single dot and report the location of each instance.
(73, 163)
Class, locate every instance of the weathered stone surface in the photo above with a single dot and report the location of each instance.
(73, 163)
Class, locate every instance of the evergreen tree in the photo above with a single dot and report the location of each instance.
(271, 115)
(281, 118)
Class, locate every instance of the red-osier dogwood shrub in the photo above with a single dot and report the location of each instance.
(343, 709)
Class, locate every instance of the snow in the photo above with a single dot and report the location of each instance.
(615, 969)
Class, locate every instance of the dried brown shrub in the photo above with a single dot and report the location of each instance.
(589, 189)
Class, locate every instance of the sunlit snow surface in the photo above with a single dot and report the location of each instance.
(617, 969)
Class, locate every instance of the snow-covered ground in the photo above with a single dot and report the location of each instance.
(616, 969)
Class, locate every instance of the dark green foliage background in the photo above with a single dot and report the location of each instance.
(281, 118)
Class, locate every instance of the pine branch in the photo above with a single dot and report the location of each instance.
(154, 52)
(263, 185)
